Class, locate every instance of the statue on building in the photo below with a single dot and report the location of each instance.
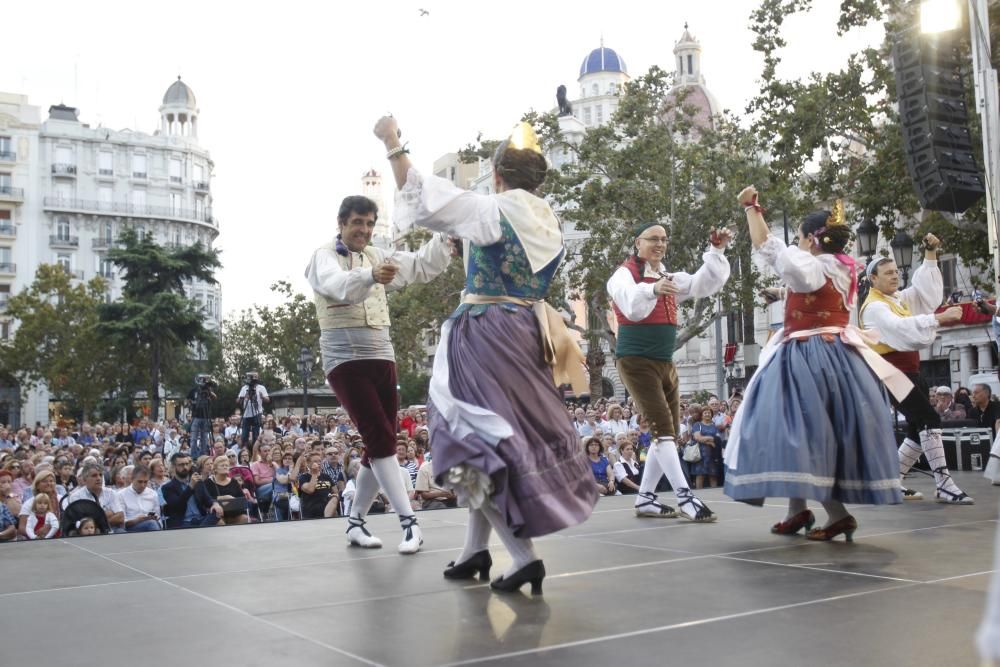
(565, 108)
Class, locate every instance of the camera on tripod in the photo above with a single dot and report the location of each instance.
(205, 381)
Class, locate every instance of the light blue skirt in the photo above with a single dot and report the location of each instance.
(817, 424)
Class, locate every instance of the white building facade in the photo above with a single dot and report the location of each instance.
(72, 190)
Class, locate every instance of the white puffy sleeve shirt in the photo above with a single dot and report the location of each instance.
(352, 286)
(802, 271)
(637, 300)
(923, 296)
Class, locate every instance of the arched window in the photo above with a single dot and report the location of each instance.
(595, 89)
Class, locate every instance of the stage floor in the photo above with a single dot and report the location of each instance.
(620, 590)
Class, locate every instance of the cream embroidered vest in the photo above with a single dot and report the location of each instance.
(372, 312)
(898, 308)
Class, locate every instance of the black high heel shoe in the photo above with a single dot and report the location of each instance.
(481, 562)
(533, 572)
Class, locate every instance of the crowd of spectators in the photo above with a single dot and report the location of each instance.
(118, 477)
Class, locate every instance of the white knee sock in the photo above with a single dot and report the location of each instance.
(520, 548)
(909, 454)
(387, 473)
(934, 451)
(477, 536)
(651, 474)
(670, 463)
(365, 492)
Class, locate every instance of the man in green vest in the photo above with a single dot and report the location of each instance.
(906, 322)
(350, 278)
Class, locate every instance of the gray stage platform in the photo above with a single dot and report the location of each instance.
(620, 590)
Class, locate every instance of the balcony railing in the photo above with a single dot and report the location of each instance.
(107, 275)
(105, 172)
(139, 175)
(63, 169)
(8, 193)
(201, 186)
(176, 179)
(8, 267)
(64, 241)
(8, 156)
(102, 243)
(120, 208)
(7, 229)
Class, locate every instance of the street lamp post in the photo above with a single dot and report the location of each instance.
(867, 235)
(305, 369)
(902, 252)
(734, 377)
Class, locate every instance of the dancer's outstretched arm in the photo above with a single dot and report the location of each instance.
(755, 218)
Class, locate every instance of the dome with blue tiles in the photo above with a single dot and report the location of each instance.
(602, 59)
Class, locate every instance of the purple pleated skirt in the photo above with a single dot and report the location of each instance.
(541, 478)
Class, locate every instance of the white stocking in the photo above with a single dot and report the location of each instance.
(364, 495)
(477, 536)
(520, 548)
(909, 454)
(387, 473)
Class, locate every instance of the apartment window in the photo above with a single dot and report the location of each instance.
(105, 197)
(4, 218)
(65, 261)
(5, 182)
(108, 232)
(199, 173)
(139, 166)
(175, 203)
(139, 200)
(140, 231)
(105, 163)
(595, 89)
(64, 155)
(4, 297)
(175, 170)
(6, 149)
(586, 116)
(105, 267)
(613, 89)
(600, 113)
(210, 305)
(62, 229)
(199, 208)
(177, 237)
(64, 191)
(5, 325)
(6, 257)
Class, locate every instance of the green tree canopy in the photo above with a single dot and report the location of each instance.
(58, 341)
(154, 315)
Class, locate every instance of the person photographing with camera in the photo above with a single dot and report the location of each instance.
(251, 400)
(200, 401)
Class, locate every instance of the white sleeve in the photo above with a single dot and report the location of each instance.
(439, 205)
(262, 391)
(800, 271)
(326, 277)
(926, 290)
(29, 528)
(53, 524)
(620, 471)
(635, 300)
(423, 265)
(707, 280)
(243, 392)
(906, 334)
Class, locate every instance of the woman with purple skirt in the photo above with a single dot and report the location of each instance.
(498, 426)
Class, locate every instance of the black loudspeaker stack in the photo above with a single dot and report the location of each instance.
(934, 118)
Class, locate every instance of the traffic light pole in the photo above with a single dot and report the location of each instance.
(988, 106)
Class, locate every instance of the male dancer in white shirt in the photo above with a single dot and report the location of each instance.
(906, 322)
(350, 278)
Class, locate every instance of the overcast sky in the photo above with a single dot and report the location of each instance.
(289, 91)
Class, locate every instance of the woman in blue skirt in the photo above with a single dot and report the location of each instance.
(816, 420)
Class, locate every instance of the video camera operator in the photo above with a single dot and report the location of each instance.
(251, 400)
(200, 400)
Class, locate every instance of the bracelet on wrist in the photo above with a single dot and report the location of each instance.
(397, 151)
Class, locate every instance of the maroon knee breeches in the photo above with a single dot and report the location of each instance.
(367, 390)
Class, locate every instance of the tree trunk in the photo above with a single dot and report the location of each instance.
(154, 371)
